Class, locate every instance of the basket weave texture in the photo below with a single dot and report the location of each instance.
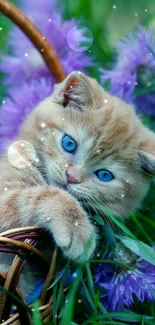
(21, 242)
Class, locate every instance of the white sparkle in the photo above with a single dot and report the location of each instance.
(42, 139)
(50, 20)
(135, 15)
(66, 165)
(98, 150)
(43, 125)
(136, 83)
(4, 101)
(122, 195)
(53, 133)
(43, 37)
(105, 101)
(79, 72)
(75, 274)
(71, 86)
(22, 144)
(79, 301)
(5, 189)
(89, 51)
(151, 54)
(114, 7)
(42, 50)
(26, 55)
(66, 301)
(127, 181)
(98, 255)
(145, 9)
(63, 119)
(48, 218)
(1, 28)
(36, 160)
(76, 223)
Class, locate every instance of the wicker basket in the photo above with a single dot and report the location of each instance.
(22, 242)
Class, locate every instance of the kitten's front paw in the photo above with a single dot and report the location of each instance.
(82, 241)
(73, 231)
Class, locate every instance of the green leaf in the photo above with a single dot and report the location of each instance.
(99, 219)
(96, 299)
(88, 295)
(60, 295)
(58, 277)
(140, 248)
(36, 314)
(55, 288)
(69, 307)
(116, 220)
(140, 226)
(129, 316)
(90, 279)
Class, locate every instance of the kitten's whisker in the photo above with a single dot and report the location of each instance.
(94, 207)
(98, 209)
(87, 203)
(107, 218)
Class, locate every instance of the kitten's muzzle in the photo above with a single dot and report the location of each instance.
(71, 178)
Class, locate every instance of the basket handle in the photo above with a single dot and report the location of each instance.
(48, 54)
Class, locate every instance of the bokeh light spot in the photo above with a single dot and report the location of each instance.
(21, 154)
(80, 38)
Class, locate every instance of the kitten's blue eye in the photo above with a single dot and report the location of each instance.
(104, 175)
(69, 144)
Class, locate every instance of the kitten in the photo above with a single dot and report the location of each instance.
(78, 145)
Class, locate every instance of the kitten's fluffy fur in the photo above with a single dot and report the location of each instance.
(109, 136)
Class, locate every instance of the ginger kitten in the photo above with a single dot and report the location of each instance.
(78, 145)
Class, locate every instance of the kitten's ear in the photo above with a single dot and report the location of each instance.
(147, 154)
(147, 162)
(78, 91)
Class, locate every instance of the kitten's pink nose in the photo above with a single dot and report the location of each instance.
(72, 178)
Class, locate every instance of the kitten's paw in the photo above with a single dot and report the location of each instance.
(73, 231)
(82, 241)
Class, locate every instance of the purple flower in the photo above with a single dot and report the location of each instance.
(121, 286)
(132, 77)
(18, 105)
(25, 62)
(36, 7)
